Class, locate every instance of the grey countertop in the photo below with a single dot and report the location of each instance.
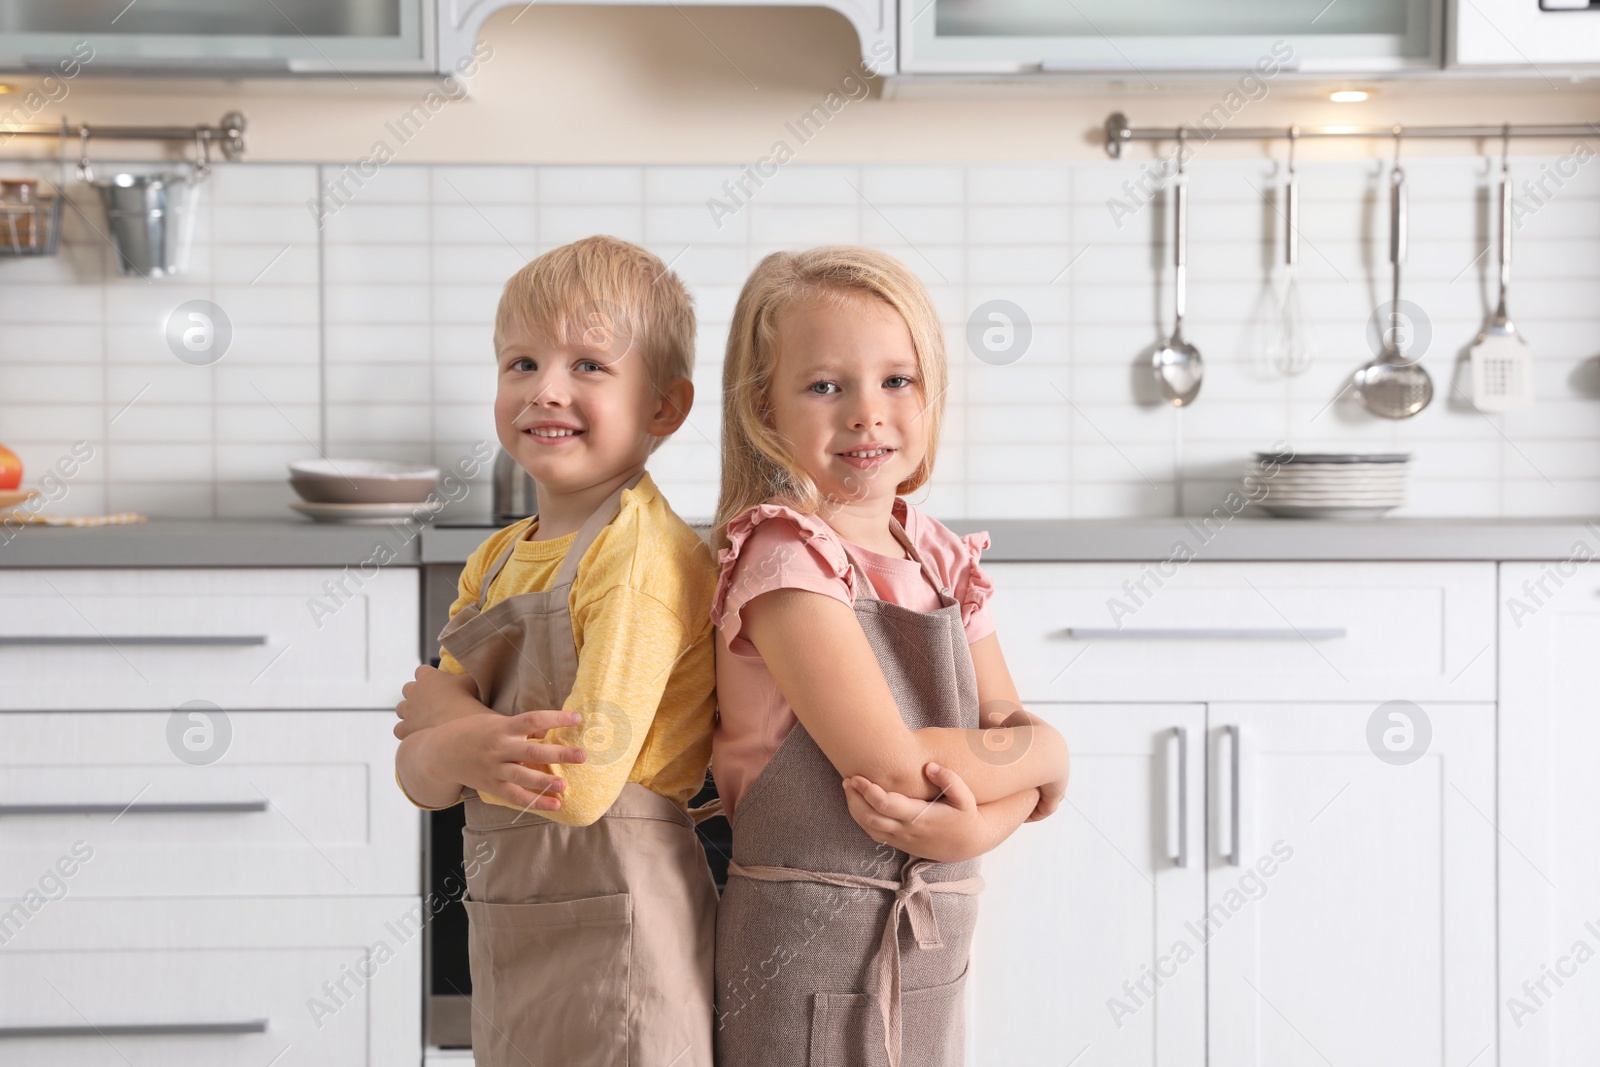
(294, 543)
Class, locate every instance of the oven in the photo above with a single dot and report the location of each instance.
(447, 1009)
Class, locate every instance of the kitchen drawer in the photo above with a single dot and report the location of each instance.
(319, 982)
(1248, 631)
(299, 803)
(247, 638)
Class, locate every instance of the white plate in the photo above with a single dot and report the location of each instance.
(1323, 487)
(1317, 498)
(1320, 478)
(1334, 487)
(1332, 498)
(1336, 483)
(364, 514)
(1317, 511)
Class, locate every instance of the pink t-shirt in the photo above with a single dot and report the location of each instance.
(802, 552)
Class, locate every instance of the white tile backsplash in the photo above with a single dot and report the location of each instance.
(370, 335)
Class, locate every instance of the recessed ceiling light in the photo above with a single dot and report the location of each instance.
(1348, 96)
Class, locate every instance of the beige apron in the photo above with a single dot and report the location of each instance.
(588, 945)
(814, 963)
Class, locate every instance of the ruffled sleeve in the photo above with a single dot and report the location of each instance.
(976, 589)
(799, 551)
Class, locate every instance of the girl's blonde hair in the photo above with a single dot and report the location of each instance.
(756, 460)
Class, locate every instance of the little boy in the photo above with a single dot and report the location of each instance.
(592, 920)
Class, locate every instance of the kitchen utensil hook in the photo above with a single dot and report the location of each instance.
(202, 153)
(1291, 254)
(85, 171)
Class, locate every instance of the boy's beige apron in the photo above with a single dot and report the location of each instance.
(833, 949)
(588, 945)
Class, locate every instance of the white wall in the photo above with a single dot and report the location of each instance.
(370, 337)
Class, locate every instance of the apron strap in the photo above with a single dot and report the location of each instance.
(597, 521)
(494, 572)
(864, 588)
(912, 899)
(709, 810)
(905, 539)
(590, 529)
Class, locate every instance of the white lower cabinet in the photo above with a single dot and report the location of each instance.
(294, 803)
(1080, 909)
(1319, 904)
(204, 857)
(221, 982)
(1550, 813)
(1352, 920)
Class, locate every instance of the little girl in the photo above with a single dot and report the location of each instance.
(855, 650)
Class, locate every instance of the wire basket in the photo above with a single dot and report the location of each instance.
(30, 228)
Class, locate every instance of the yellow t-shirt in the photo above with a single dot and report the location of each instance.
(641, 618)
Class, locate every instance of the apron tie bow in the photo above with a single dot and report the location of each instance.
(913, 898)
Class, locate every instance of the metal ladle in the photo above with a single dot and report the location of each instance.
(1178, 366)
(1391, 386)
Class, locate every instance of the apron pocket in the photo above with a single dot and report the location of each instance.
(847, 1028)
(550, 982)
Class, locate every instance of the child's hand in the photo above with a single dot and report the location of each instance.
(435, 697)
(490, 753)
(948, 829)
(1050, 797)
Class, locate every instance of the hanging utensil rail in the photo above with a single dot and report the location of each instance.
(227, 134)
(1119, 132)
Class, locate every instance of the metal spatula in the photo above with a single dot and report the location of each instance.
(1502, 362)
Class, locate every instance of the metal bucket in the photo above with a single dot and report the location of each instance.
(151, 218)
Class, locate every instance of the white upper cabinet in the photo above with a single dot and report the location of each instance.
(1137, 37)
(1524, 34)
(221, 36)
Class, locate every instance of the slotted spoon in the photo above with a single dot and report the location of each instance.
(1502, 361)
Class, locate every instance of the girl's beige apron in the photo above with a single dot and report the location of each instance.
(588, 945)
(833, 949)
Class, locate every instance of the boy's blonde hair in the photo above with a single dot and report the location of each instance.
(756, 461)
(604, 285)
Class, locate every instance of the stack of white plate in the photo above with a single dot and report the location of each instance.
(1334, 485)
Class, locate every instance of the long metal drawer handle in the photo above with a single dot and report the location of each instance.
(80, 640)
(197, 807)
(1283, 633)
(1178, 795)
(243, 1026)
(1232, 733)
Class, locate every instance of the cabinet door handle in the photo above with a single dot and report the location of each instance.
(1207, 633)
(242, 1026)
(194, 807)
(1231, 818)
(81, 640)
(1178, 797)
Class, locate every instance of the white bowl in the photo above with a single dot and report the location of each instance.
(361, 481)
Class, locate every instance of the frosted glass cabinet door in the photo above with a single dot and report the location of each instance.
(243, 36)
(1549, 813)
(1081, 913)
(1358, 924)
(1134, 36)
